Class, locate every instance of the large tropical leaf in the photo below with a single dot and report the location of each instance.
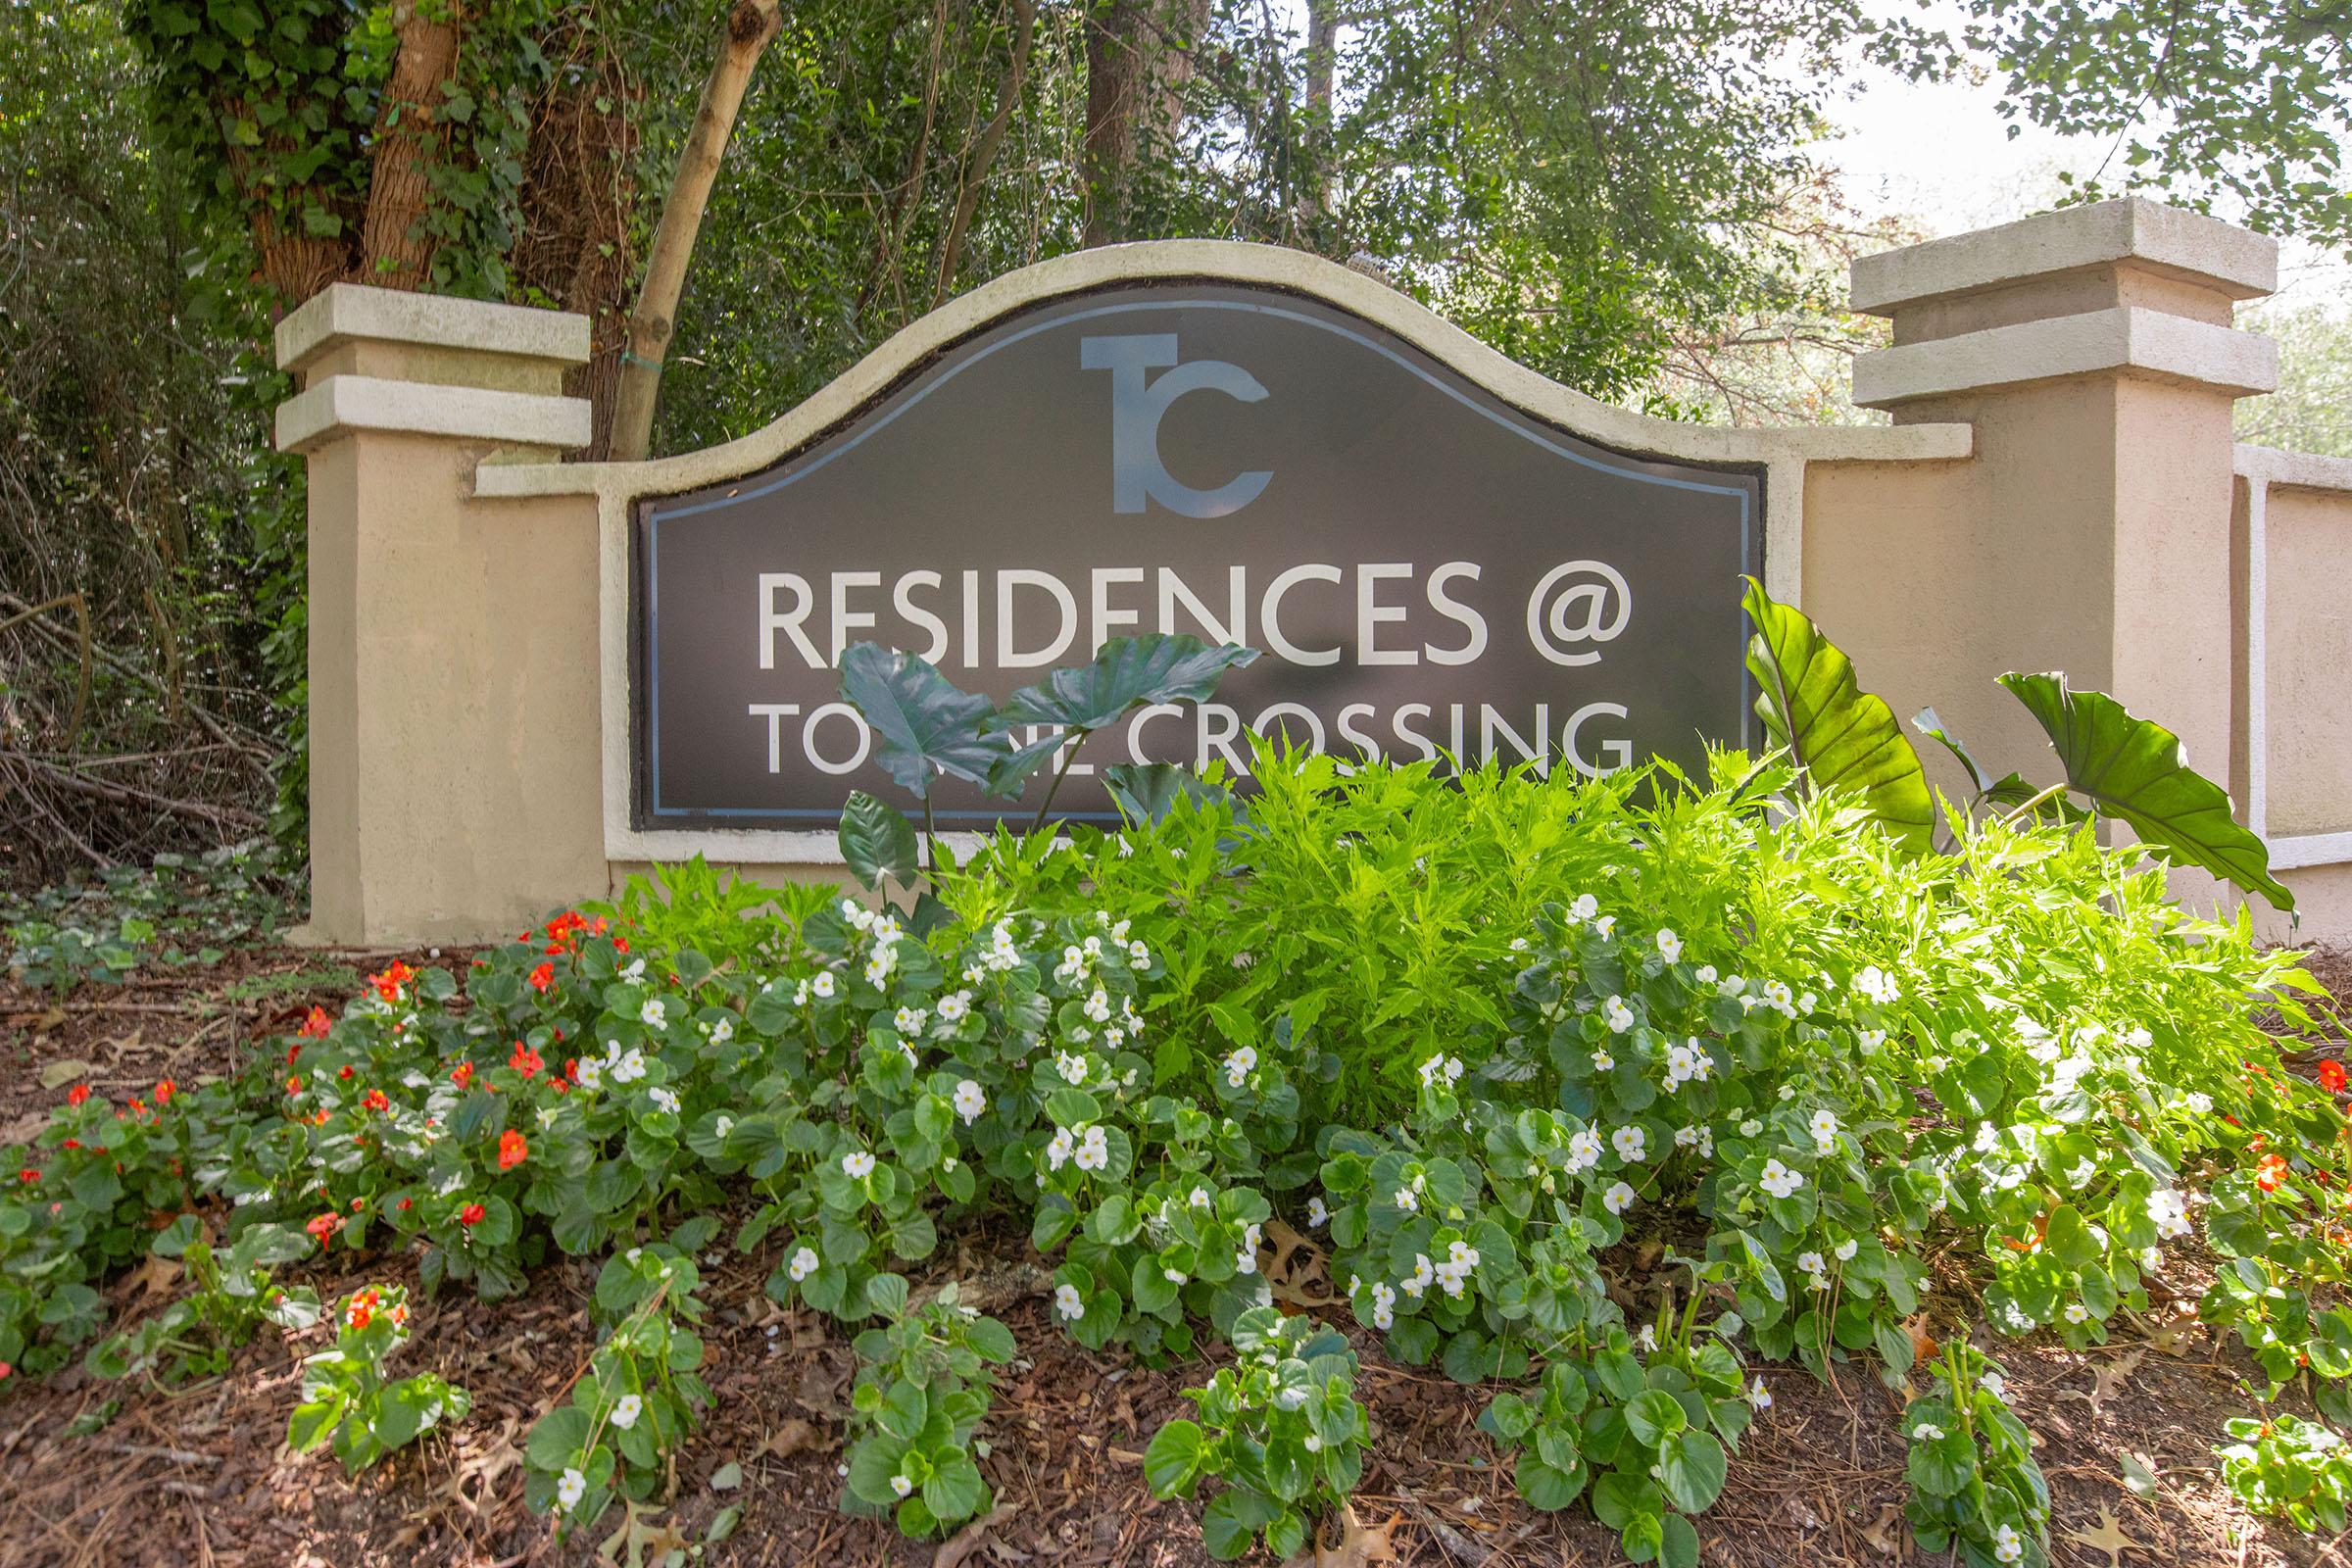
(876, 841)
(1846, 738)
(2011, 789)
(1126, 672)
(1149, 791)
(923, 726)
(2136, 772)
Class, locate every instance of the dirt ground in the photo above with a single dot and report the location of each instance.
(200, 1475)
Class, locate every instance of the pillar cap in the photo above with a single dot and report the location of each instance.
(2236, 263)
(346, 312)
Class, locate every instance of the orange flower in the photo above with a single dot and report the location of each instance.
(511, 1150)
(294, 1085)
(2269, 1173)
(543, 976)
(163, 1092)
(374, 1099)
(525, 1061)
(77, 1095)
(324, 1226)
(316, 1024)
(2332, 1076)
(471, 1214)
(462, 1074)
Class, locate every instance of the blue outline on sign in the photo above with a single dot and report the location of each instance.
(656, 517)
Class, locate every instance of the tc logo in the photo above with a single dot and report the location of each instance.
(1136, 410)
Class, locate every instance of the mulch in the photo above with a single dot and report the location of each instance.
(200, 1475)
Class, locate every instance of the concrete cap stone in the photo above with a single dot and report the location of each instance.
(2233, 262)
(345, 313)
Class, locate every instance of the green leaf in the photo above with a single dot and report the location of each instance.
(1654, 1415)
(2136, 772)
(1173, 1458)
(2009, 790)
(922, 724)
(1846, 740)
(1149, 791)
(1125, 672)
(876, 841)
(1690, 1467)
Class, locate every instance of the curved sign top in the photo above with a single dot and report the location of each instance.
(1428, 571)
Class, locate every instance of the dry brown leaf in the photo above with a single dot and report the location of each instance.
(2108, 1537)
(1359, 1544)
(155, 1276)
(1924, 1347)
(1885, 1533)
(638, 1543)
(57, 1074)
(968, 1541)
(795, 1436)
(2109, 1380)
(1298, 1271)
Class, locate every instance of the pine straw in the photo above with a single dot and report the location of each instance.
(200, 1476)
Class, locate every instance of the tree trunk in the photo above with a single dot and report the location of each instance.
(985, 148)
(751, 25)
(1322, 64)
(1138, 59)
(396, 250)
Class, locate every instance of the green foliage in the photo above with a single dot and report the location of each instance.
(183, 909)
(632, 1406)
(2243, 105)
(229, 1299)
(1975, 1488)
(348, 1402)
(2286, 1465)
(2136, 772)
(923, 1384)
(1843, 738)
(1280, 1430)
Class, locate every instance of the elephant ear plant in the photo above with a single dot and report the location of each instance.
(2124, 768)
(925, 729)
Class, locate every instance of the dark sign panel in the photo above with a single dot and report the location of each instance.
(1426, 570)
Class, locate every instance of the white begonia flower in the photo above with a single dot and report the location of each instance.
(1777, 996)
(626, 1409)
(970, 1101)
(910, 1020)
(1811, 1264)
(1925, 1432)
(2198, 1101)
(1068, 1302)
(1732, 986)
(1602, 1061)
(1384, 1306)
(1779, 1180)
(589, 1071)
(1097, 1005)
(571, 1487)
(1825, 1130)
(858, 1165)
(1316, 1214)
(723, 1031)
(2007, 1544)
(1995, 1383)
(1704, 974)
(2170, 1210)
(878, 967)
(1618, 1199)
(1869, 1039)
(629, 1068)
(1584, 907)
(804, 1263)
(2076, 1313)
(1630, 1144)
(1059, 1147)
(634, 973)
(1670, 945)
(1845, 1251)
(823, 983)
(900, 1485)
(1244, 1259)
(1607, 925)
(663, 1100)
(723, 1126)
(1617, 1014)
(1760, 1396)
(1199, 1197)
(1407, 1200)
(1094, 1150)
(955, 1006)
(654, 1015)
(1071, 1066)
(1240, 1065)
(1648, 1340)
(1583, 1151)
(1877, 985)
(799, 995)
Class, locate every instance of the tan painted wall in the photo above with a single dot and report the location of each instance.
(2309, 637)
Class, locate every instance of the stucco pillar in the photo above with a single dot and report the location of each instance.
(2094, 352)
(452, 794)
